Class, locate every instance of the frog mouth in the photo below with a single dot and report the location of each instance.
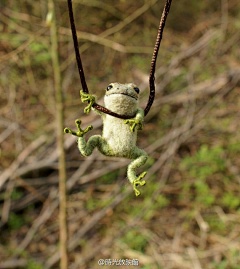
(123, 94)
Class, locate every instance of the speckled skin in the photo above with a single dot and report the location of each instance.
(118, 138)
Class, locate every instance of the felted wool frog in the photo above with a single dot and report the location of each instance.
(119, 136)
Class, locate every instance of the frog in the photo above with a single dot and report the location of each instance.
(119, 136)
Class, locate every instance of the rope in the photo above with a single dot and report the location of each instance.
(153, 62)
(154, 57)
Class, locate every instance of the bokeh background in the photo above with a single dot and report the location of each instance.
(188, 214)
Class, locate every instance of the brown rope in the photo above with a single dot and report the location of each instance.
(153, 63)
(80, 67)
(154, 57)
(75, 41)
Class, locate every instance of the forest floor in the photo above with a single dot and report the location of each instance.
(188, 213)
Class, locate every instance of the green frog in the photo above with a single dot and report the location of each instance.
(119, 136)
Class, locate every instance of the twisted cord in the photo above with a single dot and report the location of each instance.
(154, 57)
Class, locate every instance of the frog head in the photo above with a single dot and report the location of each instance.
(122, 98)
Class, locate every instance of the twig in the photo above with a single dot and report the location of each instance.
(234, 39)
(19, 16)
(21, 158)
(7, 202)
(96, 3)
(233, 169)
(200, 90)
(81, 170)
(13, 264)
(29, 199)
(176, 239)
(30, 189)
(129, 19)
(224, 18)
(107, 42)
(5, 134)
(232, 82)
(204, 228)
(60, 139)
(193, 255)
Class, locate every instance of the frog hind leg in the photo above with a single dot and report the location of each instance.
(86, 148)
(140, 157)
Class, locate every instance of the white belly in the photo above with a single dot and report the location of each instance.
(118, 136)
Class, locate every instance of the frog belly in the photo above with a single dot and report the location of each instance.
(118, 136)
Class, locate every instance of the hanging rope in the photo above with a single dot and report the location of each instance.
(153, 62)
(155, 54)
(75, 42)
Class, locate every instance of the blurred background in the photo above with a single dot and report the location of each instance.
(188, 213)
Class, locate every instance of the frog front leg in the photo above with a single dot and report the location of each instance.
(137, 121)
(140, 157)
(86, 97)
(80, 132)
(86, 149)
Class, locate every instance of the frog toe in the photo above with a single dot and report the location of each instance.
(67, 130)
(80, 132)
(140, 182)
(87, 109)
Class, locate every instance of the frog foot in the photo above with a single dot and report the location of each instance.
(80, 132)
(133, 123)
(137, 182)
(86, 97)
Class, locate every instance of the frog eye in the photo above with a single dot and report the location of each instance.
(109, 87)
(136, 90)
